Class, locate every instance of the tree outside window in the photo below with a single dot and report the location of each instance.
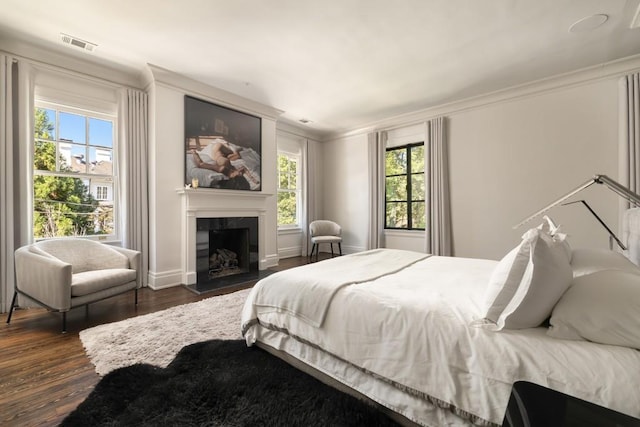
(288, 192)
(73, 153)
(405, 187)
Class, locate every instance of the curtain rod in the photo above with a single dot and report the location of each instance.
(597, 179)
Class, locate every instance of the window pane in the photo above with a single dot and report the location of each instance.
(63, 206)
(396, 188)
(396, 215)
(100, 132)
(44, 156)
(293, 179)
(287, 208)
(396, 162)
(72, 128)
(103, 218)
(283, 180)
(66, 205)
(283, 172)
(282, 162)
(75, 157)
(45, 123)
(417, 215)
(100, 161)
(417, 159)
(417, 186)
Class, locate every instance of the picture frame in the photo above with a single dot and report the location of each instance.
(223, 147)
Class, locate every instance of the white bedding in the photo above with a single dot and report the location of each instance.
(411, 330)
(316, 284)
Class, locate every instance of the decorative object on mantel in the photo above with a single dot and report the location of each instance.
(223, 147)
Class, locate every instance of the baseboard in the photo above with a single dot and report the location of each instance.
(269, 261)
(290, 252)
(164, 279)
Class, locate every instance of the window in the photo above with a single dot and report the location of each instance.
(101, 192)
(288, 191)
(404, 187)
(73, 176)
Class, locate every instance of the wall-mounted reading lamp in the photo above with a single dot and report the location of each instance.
(614, 186)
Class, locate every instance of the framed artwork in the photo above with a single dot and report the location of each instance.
(223, 147)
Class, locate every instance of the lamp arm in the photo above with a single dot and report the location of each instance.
(616, 187)
(557, 202)
(611, 233)
(612, 185)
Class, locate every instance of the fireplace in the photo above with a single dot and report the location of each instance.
(226, 252)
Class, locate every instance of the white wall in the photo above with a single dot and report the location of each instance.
(167, 91)
(344, 173)
(508, 159)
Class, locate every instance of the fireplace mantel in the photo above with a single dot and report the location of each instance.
(214, 203)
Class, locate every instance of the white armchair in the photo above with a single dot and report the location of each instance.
(61, 274)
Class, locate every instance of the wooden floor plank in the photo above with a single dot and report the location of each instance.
(45, 374)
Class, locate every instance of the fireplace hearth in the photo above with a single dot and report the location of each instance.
(226, 252)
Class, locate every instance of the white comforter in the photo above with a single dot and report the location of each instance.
(411, 328)
(315, 285)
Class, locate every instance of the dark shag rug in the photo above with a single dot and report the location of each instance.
(220, 383)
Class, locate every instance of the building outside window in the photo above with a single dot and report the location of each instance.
(101, 192)
(73, 178)
(288, 190)
(405, 187)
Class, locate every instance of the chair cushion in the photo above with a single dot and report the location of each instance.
(89, 282)
(324, 228)
(326, 239)
(83, 254)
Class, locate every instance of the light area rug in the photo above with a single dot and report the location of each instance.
(156, 338)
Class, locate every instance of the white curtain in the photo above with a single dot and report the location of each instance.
(16, 105)
(133, 163)
(629, 134)
(437, 197)
(309, 152)
(377, 146)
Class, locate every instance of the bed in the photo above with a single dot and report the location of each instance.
(421, 337)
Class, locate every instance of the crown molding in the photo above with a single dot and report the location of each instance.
(588, 75)
(285, 126)
(170, 79)
(87, 66)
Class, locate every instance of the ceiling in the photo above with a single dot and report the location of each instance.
(342, 64)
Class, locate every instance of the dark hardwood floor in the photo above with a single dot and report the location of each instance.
(45, 374)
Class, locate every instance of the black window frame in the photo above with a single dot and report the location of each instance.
(408, 173)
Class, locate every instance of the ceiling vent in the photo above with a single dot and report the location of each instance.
(74, 41)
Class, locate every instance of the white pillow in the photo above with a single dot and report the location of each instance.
(587, 261)
(550, 227)
(602, 307)
(527, 283)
